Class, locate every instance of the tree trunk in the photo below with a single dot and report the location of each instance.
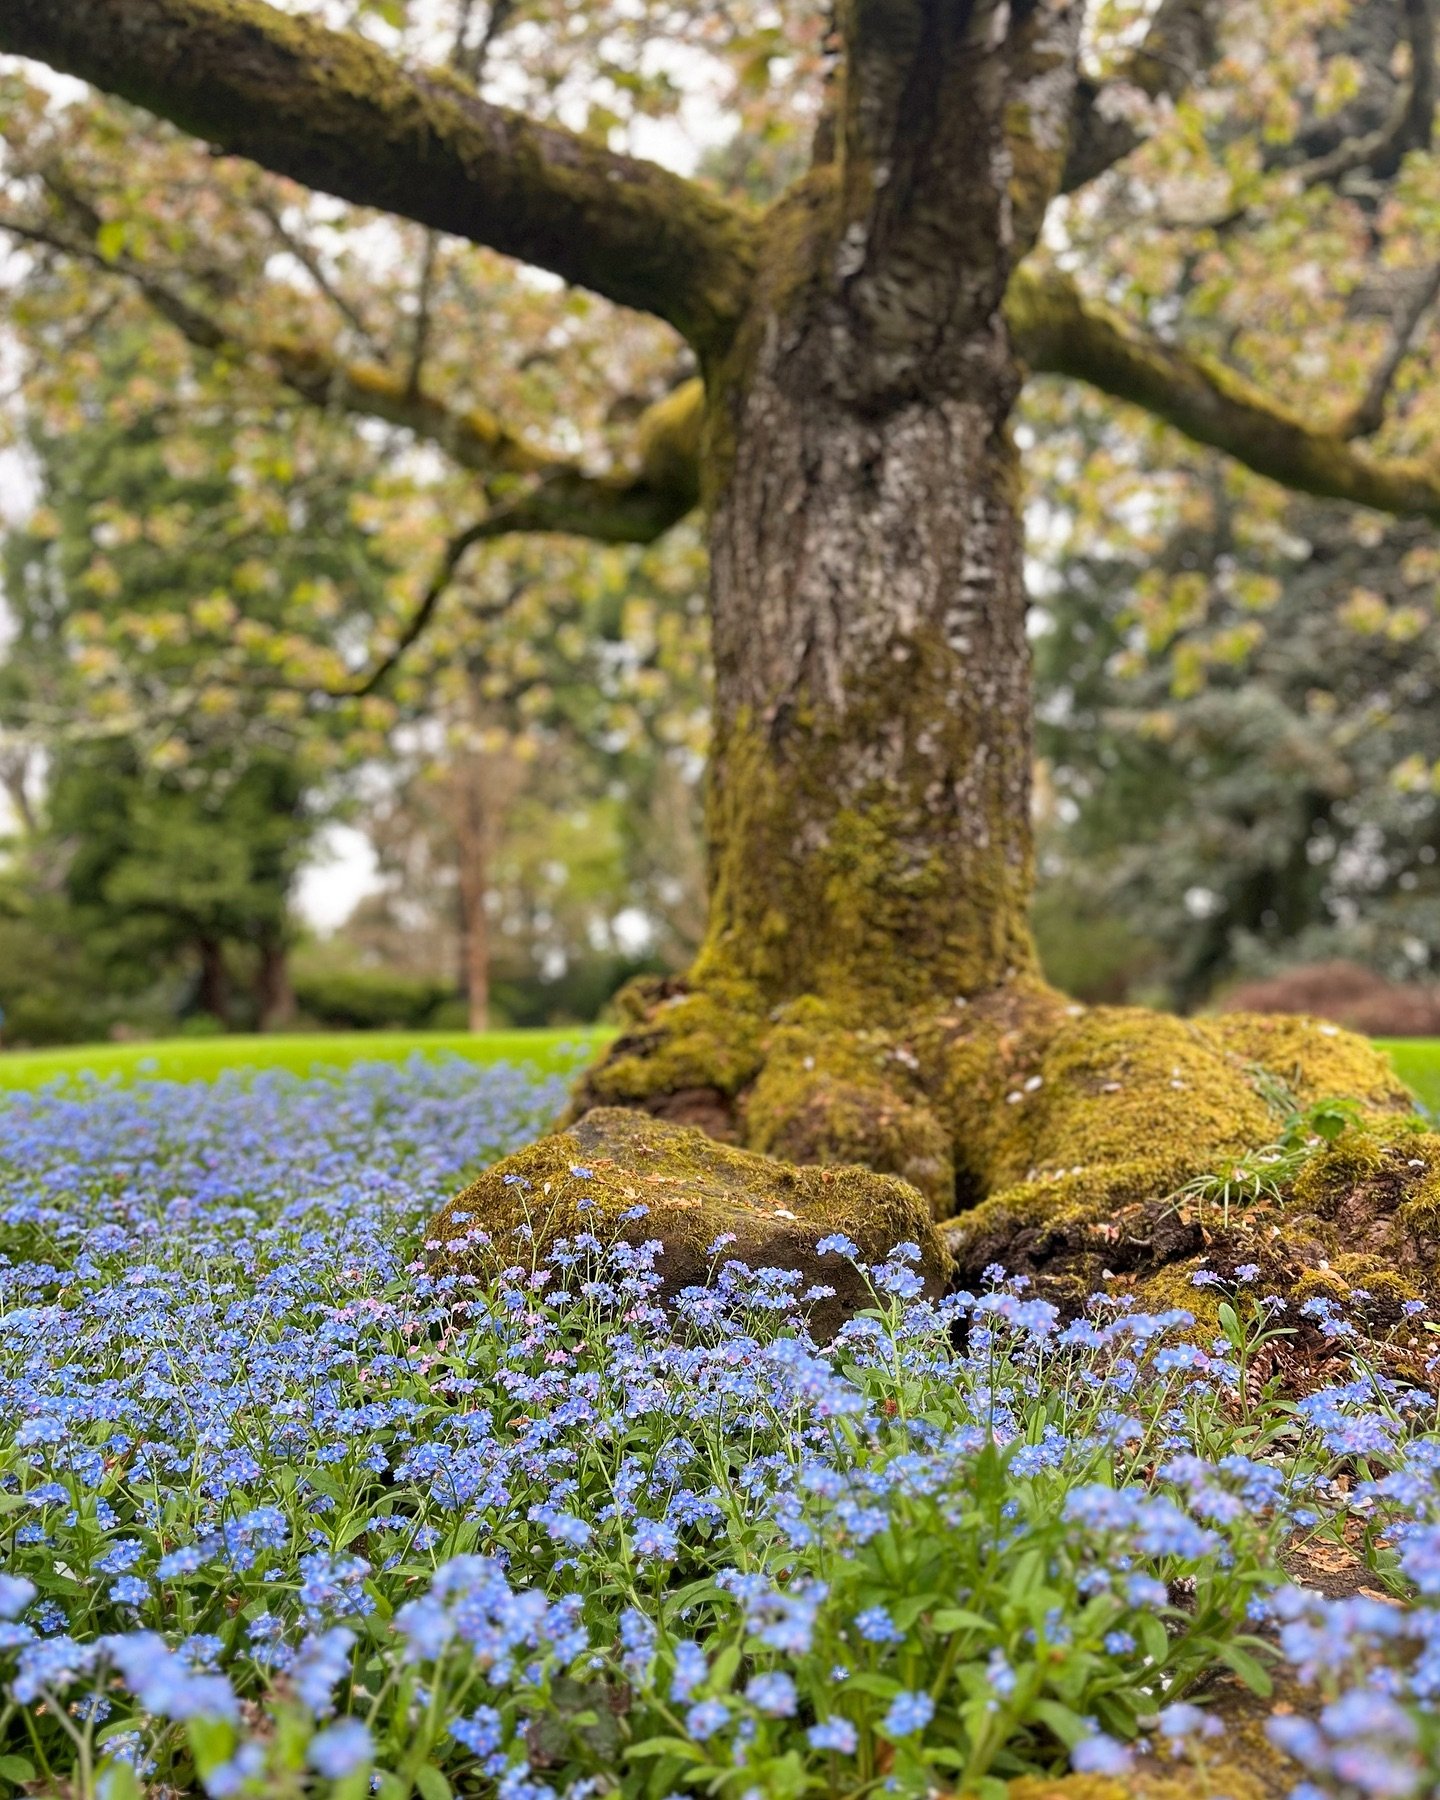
(472, 855)
(870, 789)
(274, 996)
(213, 994)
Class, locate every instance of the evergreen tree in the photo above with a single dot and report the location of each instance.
(176, 815)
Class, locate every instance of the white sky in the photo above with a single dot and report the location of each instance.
(341, 870)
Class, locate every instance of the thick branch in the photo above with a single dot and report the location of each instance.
(634, 505)
(333, 111)
(1059, 333)
(935, 92)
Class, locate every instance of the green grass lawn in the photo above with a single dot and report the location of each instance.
(192, 1059)
(1417, 1061)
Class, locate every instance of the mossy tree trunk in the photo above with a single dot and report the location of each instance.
(870, 792)
(868, 989)
(870, 789)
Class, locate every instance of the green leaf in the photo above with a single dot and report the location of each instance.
(1250, 1671)
(884, 1687)
(111, 237)
(16, 1768)
(212, 1742)
(432, 1784)
(1154, 1639)
(1068, 1726)
(669, 1746)
(955, 1618)
(121, 1782)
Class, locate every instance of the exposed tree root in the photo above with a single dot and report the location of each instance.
(1055, 1139)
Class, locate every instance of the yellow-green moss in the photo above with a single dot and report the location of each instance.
(1067, 1787)
(831, 1095)
(1319, 1284)
(1316, 1060)
(1147, 1781)
(859, 918)
(1421, 1212)
(590, 1177)
(668, 440)
(711, 1037)
(1173, 1287)
(1108, 1106)
(1099, 1105)
(1335, 1172)
(1387, 1287)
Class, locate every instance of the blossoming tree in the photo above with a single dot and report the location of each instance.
(867, 989)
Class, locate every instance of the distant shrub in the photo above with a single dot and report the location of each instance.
(1349, 994)
(371, 999)
(48, 1016)
(200, 1025)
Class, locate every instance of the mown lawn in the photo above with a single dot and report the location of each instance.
(201, 1059)
(1417, 1060)
(189, 1059)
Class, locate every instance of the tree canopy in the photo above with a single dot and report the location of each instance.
(1241, 249)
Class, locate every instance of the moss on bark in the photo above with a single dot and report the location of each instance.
(829, 1094)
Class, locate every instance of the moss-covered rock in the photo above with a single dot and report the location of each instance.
(590, 1177)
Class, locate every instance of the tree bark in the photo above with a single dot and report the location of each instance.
(275, 997)
(870, 799)
(472, 858)
(213, 993)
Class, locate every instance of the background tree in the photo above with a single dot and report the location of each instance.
(180, 801)
(1240, 740)
(859, 344)
(545, 810)
(203, 587)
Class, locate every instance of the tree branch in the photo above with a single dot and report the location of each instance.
(420, 335)
(633, 505)
(445, 573)
(1369, 414)
(934, 93)
(1181, 42)
(315, 269)
(1410, 125)
(1060, 333)
(332, 110)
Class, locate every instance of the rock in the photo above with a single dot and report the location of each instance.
(694, 1190)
